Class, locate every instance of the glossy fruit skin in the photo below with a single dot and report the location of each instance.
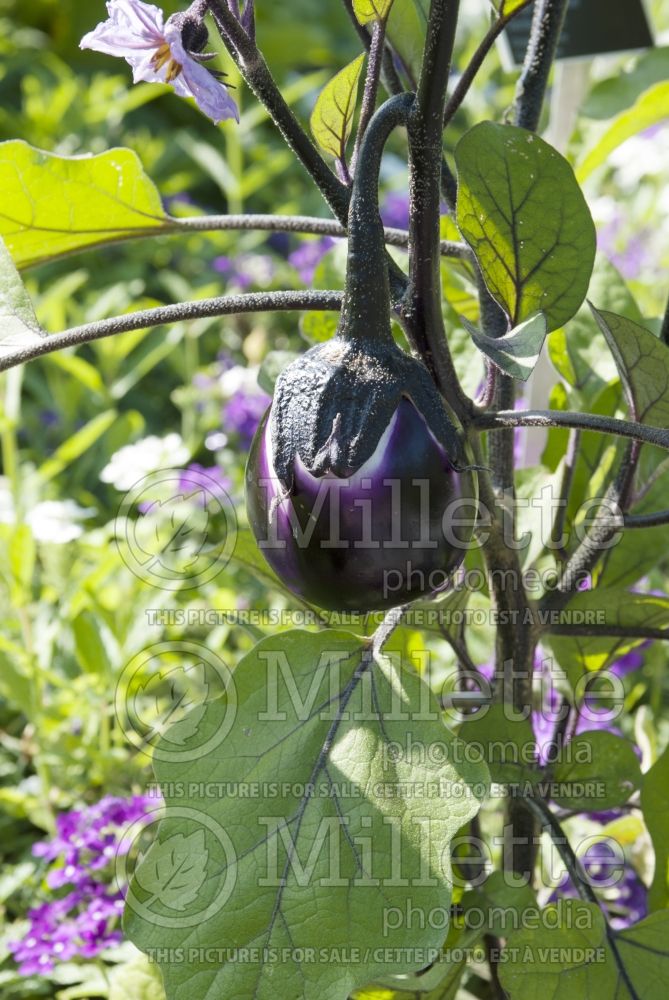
(374, 544)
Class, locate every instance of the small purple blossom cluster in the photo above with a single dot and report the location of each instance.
(620, 888)
(85, 920)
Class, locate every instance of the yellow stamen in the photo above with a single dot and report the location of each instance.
(162, 56)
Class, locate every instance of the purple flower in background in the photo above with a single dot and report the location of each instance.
(204, 481)
(154, 49)
(623, 893)
(395, 210)
(308, 256)
(246, 269)
(243, 413)
(85, 921)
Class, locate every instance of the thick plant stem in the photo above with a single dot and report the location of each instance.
(389, 77)
(366, 309)
(522, 839)
(566, 418)
(425, 166)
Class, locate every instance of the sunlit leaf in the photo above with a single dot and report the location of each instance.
(650, 108)
(371, 10)
(332, 118)
(18, 323)
(518, 351)
(525, 217)
(310, 860)
(51, 205)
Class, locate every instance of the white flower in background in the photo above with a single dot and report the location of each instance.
(134, 461)
(240, 379)
(57, 521)
(7, 513)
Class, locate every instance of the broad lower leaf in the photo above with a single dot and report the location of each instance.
(313, 821)
(332, 118)
(371, 10)
(525, 217)
(578, 958)
(18, 323)
(650, 108)
(618, 608)
(596, 770)
(53, 205)
(655, 806)
(518, 351)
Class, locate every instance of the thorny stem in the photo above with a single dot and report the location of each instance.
(477, 60)
(492, 421)
(425, 159)
(514, 646)
(367, 296)
(389, 77)
(371, 88)
(143, 318)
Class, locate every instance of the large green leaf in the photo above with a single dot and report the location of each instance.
(525, 217)
(655, 806)
(596, 770)
(332, 118)
(52, 205)
(518, 351)
(650, 108)
(619, 608)
(313, 821)
(505, 743)
(18, 323)
(579, 960)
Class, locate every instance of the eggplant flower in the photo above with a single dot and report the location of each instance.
(155, 50)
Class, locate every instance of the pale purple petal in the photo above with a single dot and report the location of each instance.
(211, 97)
(132, 26)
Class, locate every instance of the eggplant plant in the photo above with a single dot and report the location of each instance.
(360, 823)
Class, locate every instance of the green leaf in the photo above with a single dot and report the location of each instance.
(272, 366)
(506, 744)
(577, 350)
(406, 30)
(319, 326)
(500, 903)
(312, 858)
(18, 323)
(642, 361)
(518, 351)
(332, 118)
(616, 93)
(371, 10)
(76, 445)
(620, 608)
(91, 650)
(655, 806)
(53, 205)
(576, 959)
(599, 771)
(138, 979)
(650, 108)
(525, 217)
